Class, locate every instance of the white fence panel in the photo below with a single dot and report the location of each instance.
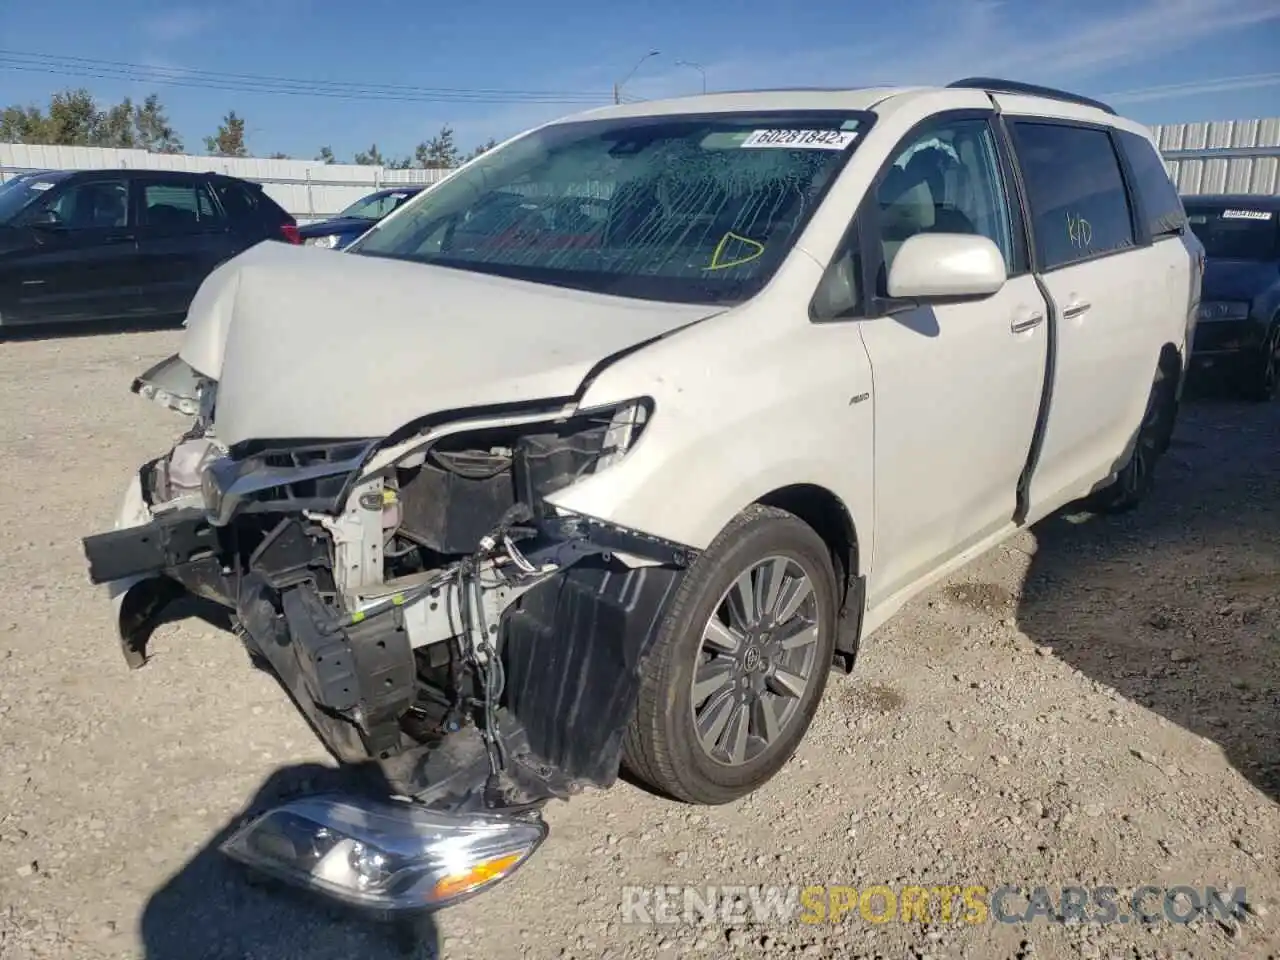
(1247, 159)
(1224, 156)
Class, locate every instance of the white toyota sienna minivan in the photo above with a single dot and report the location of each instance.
(601, 452)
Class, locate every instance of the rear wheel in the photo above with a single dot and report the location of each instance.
(1137, 477)
(1263, 376)
(740, 664)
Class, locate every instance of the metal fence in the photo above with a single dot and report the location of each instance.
(1228, 156)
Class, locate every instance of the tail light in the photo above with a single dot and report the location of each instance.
(290, 233)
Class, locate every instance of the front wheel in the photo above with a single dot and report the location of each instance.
(1263, 383)
(740, 662)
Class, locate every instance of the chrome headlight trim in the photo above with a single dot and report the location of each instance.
(627, 419)
(231, 485)
(625, 427)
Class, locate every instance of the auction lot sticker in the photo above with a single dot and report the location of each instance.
(801, 139)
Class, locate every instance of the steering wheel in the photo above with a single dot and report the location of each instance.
(46, 217)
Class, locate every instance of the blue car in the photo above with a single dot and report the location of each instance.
(1238, 327)
(341, 230)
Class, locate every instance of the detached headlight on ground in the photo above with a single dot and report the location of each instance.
(384, 855)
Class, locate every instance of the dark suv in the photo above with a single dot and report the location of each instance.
(119, 244)
(1239, 324)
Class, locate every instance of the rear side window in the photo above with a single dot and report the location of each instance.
(242, 202)
(178, 205)
(1079, 207)
(1157, 197)
(238, 202)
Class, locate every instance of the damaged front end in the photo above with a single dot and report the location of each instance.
(427, 611)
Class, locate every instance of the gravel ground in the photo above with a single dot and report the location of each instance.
(1096, 703)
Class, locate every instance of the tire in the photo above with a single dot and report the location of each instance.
(1263, 374)
(1136, 478)
(779, 666)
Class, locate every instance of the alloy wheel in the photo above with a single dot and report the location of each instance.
(756, 660)
(1271, 368)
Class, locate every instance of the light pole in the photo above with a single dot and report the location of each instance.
(617, 87)
(696, 66)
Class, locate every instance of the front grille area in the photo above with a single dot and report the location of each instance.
(310, 489)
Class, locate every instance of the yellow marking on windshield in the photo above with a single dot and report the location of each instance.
(755, 249)
(1079, 231)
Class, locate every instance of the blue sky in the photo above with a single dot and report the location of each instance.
(1160, 60)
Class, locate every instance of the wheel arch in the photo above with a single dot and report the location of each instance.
(1274, 322)
(830, 518)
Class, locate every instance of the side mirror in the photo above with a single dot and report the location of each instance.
(941, 266)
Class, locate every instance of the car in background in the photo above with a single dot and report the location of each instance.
(96, 245)
(1238, 327)
(337, 232)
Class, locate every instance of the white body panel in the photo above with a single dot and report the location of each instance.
(304, 343)
(1114, 315)
(956, 395)
(1106, 361)
(749, 402)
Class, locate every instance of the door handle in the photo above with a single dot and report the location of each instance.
(120, 238)
(1025, 320)
(1075, 309)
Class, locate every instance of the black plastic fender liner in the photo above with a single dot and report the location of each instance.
(849, 636)
(267, 634)
(353, 683)
(572, 649)
(141, 608)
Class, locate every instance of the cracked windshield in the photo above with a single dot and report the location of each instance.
(667, 208)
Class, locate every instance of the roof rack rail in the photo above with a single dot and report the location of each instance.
(996, 85)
